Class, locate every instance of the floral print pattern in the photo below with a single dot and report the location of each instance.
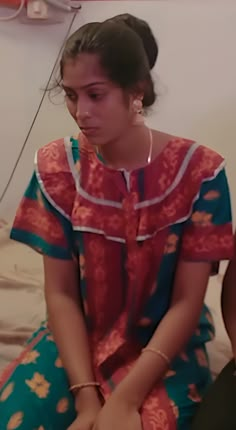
(15, 421)
(38, 385)
(127, 244)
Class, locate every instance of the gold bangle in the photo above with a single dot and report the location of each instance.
(159, 353)
(78, 387)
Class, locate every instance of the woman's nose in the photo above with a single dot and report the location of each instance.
(82, 113)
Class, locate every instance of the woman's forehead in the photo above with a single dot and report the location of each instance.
(83, 70)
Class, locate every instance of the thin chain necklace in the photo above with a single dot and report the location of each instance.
(149, 158)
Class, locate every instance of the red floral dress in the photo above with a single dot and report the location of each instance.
(127, 232)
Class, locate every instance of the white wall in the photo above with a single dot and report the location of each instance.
(195, 76)
(27, 57)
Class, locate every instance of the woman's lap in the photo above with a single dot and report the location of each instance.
(35, 392)
(187, 383)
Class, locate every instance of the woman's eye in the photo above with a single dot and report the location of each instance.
(96, 96)
(71, 97)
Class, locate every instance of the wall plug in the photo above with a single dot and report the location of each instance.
(37, 9)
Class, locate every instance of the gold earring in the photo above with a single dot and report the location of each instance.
(138, 106)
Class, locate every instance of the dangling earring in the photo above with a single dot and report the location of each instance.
(138, 112)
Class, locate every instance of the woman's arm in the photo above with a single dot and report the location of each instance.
(228, 300)
(172, 333)
(207, 236)
(67, 323)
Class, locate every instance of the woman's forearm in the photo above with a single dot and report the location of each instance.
(170, 337)
(70, 334)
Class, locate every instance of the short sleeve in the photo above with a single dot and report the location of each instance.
(208, 233)
(41, 226)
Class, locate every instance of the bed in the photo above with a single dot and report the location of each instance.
(22, 306)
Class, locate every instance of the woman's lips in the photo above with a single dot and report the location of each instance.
(88, 131)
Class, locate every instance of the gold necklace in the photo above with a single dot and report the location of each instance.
(149, 158)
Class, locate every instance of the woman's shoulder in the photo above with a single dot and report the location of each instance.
(54, 156)
(54, 170)
(176, 180)
(205, 160)
(186, 157)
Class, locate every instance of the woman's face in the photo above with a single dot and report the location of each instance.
(97, 105)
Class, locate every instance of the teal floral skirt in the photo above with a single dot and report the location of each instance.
(34, 392)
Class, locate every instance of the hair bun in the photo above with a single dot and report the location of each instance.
(145, 33)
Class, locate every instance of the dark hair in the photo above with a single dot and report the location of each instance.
(126, 48)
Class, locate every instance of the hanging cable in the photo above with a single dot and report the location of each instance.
(37, 112)
(69, 7)
(15, 14)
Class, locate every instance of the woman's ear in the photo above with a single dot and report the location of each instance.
(136, 101)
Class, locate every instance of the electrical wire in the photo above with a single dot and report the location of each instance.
(55, 3)
(63, 6)
(15, 14)
(37, 112)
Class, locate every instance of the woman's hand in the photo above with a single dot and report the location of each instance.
(85, 420)
(117, 414)
(88, 404)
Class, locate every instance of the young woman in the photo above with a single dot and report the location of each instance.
(129, 221)
(218, 408)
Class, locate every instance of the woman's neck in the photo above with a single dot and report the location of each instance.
(130, 151)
